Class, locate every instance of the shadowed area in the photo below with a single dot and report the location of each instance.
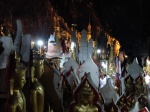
(51, 96)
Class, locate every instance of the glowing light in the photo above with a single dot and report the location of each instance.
(104, 65)
(147, 79)
(148, 62)
(72, 45)
(98, 51)
(126, 56)
(32, 44)
(45, 47)
(40, 42)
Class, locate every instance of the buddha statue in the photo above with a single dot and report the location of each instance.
(17, 102)
(143, 101)
(36, 89)
(139, 88)
(129, 86)
(112, 110)
(39, 67)
(111, 107)
(121, 101)
(86, 97)
(130, 101)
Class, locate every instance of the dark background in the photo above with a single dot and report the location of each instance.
(126, 20)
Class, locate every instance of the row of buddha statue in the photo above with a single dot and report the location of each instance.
(86, 97)
(17, 99)
(135, 97)
(136, 87)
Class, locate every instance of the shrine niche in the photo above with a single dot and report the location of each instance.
(130, 101)
(139, 87)
(86, 97)
(134, 69)
(89, 67)
(117, 84)
(142, 99)
(71, 63)
(108, 92)
(129, 85)
(111, 107)
(68, 87)
(121, 102)
(124, 108)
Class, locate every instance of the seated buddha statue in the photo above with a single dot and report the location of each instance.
(85, 103)
(121, 101)
(111, 107)
(139, 88)
(130, 101)
(112, 110)
(143, 101)
(16, 101)
(36, 89)
(129, 86)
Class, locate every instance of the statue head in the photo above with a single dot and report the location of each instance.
(139, 80)
(39, 67)
(20, 77)
(86, 94)
(129, 80)
(32, 73)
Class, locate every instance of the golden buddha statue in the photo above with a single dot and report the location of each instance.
(112, 110)
(129, 86)
(39, 67)
(143, 101)
(16, 102)
(121, 101)
(139, 88)
(130, 102)
(144, 91)
(86, 97)
(36, 89)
